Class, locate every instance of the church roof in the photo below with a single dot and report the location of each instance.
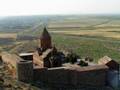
(112, 64)
(45, 53)
(104, 60)
(45, 34)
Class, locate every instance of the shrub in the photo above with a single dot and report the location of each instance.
(72, 58)
(83, 63)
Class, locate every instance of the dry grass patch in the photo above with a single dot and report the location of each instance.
(8, 35)
(102, 33)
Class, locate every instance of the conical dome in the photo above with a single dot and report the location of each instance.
(45, 40)
(45, 34)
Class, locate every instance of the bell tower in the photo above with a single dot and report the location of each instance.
(45, 40)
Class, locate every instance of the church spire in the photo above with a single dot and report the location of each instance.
(45, 39)
(45, 33)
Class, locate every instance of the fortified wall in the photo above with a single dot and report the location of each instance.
(59, 76)
(18, 67)
(67, 76)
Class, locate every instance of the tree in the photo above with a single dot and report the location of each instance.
(72, 57)
(83, 63)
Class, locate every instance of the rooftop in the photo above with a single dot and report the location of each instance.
(25, 54)
(85, 68)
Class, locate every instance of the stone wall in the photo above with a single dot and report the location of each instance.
(39, 73)
(72, 77)
(37, 60)
(92, 78)
(25, 71)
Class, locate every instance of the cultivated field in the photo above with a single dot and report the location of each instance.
(99, 32)
(93, 36)
(93, 26)
(8, 35)
(89, 36)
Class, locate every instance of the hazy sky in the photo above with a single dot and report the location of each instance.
(33, 7)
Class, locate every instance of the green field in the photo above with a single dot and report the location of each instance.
(89, 46)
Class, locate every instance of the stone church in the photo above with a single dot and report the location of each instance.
(46, 54)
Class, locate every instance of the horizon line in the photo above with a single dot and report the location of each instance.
(61, 14)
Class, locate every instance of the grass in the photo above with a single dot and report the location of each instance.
(85, 46)
(88, 36)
